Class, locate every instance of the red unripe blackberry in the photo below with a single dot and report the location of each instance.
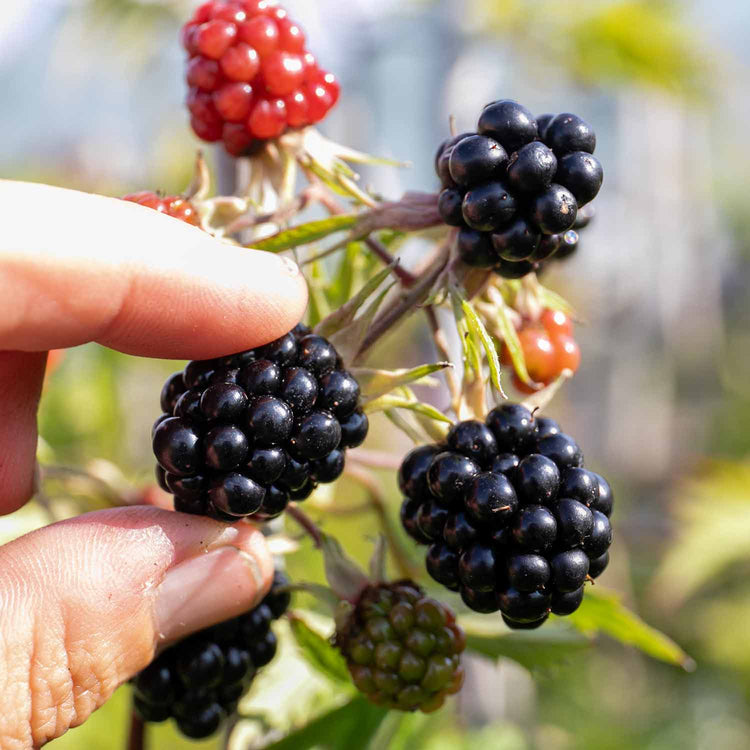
(256, 45)
(172, 205)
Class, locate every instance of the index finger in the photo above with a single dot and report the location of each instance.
(76, 267)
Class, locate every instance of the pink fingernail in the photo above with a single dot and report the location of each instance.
(204, 590)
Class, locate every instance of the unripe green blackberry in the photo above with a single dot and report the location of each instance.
(402, 648)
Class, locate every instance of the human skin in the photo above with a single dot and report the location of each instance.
(85, 603)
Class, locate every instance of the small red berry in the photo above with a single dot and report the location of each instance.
(237, 139)
(172, 205)
(311, 66)
(297, 109)
(234, 101)
(268, 118)
(567, 353)
(539, 354)
(240, 63)
(203, 12)
(256, 7)
(232, 12)
(203, 73)
(215, 38)
(189, 38)
(144, 198)
(261, 33)
(207, 131)
(320, 100)
(291, 36)
(519, 385)
(201, 105)
(283, 73)
(556, 322)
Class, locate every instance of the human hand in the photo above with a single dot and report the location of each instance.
(86, 602)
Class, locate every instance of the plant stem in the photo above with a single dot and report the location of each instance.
(378, 503)
(407, 278)
(137, 735)
(405, 303)
(308, 525)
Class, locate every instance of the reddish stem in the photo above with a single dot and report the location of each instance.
(137, 735)
(308, 525)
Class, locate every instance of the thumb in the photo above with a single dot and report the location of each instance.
(85, 604)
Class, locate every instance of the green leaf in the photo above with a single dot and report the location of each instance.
(319, 652)
(711, 507)
(510, 336)
(376, 383)
(353, 725)
(340, 318)
(538, 649)
(390, 401)
(303, 234)
(483, 339)
(603, 612)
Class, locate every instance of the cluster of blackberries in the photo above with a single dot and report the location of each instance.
(200, 680)
(244, 434)
(515, 186)
(402, 648)
(514, 521)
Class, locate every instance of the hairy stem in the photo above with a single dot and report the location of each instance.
(378, 504)
(407, 278)
(306, 523)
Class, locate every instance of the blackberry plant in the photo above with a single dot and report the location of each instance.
(502, 520)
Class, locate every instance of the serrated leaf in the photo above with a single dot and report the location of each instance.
(554, 301)
(510, 337)
(347, 312)
(304, 234)
(319, 652)
(538, 649)
(602, 611)
(344, 576)
(374, 383)
(390, 401)
(483, 339)
(353, 725)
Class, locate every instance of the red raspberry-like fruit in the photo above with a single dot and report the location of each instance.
(172, 205)
(252, 58)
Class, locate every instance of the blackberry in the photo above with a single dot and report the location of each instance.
(241, 435)
(402, 648)
(199, 680)
(511, 518)
(519, 188)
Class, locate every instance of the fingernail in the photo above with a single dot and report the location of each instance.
(204, 590)
(289, 266)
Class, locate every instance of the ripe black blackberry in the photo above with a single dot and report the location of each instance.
(402, 648)
(513, 520)
(199, 681)
(242, 435)
(517, 186)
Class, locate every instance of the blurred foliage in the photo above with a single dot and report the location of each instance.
(618, 42)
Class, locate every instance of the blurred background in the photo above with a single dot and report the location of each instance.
(93, 94)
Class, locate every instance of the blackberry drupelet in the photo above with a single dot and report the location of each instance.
(512, 519)
(242, 435)
(517, 186)
(402, 648)
(200, 680)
